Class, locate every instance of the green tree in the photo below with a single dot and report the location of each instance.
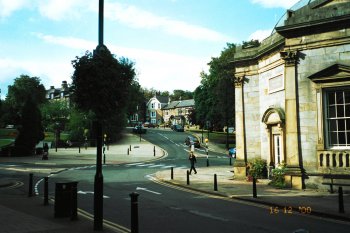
(214, 98)
(55, 112)
(24, 87)
(181, 95)
(101, 84)
(30, 131)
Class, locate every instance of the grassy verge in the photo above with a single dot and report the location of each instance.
(219, 138)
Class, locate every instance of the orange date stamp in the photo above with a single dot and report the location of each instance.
(290, 210)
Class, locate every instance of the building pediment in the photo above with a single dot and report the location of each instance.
(333, 73)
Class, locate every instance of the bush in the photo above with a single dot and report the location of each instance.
(278, 176)
(257, 168)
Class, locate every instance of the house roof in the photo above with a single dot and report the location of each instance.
(162, 99)
(171, 105)
(186, 103)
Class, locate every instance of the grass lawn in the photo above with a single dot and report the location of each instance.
(218, 138)
(5, 142)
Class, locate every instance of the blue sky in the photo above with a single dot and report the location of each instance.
(170, 41)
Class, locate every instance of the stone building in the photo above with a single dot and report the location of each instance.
(293, 94)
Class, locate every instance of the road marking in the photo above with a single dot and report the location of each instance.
(207, 215)
(157, 165)
(144, 165)
(111, 225)
(90, 192)
(168, 166)
(147, 190)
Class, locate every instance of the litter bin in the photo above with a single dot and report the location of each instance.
(66, 200)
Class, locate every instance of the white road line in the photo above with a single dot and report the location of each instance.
(158, 165)
(167, 166)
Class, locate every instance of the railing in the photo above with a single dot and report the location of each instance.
(333, 159)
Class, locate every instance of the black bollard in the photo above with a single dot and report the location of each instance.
(30, 191)
(128, 151)
(215, 183)
(134, 213)
(188, 177)
(254, 188)
(46, 190)
(79, 149)
(104, 158)
(207, 161)
(172, 173)
(341, 201)
(154, 151)
(230, 161)
(129, 147)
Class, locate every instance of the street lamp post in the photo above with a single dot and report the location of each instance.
(98, 185)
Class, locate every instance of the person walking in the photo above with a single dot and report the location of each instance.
(193, 160)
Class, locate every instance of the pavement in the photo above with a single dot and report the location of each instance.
(16, 207)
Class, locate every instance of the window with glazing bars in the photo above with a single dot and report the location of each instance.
(337, 117)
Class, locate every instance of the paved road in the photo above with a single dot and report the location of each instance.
(165, 209)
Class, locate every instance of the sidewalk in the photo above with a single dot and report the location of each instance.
(21, 213)
(319, 202)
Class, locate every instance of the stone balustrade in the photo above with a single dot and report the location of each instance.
(333, 159)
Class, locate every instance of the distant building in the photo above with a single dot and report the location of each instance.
(62, 92)
(177, 112)
(154, 109)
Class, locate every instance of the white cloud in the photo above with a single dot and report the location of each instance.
(69, 42)
(260, 34)
(7, 7)
(276, 3)
(58, 9)
(160, 70)
(138, 18)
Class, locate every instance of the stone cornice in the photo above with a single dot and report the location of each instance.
(318, 26)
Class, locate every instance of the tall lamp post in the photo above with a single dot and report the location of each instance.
(98, 185)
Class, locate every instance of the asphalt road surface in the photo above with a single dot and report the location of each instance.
(163, 208)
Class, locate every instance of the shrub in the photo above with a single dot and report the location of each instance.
(257, 168)
(278, 176)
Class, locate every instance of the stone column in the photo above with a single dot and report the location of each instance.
(293, 170)
(241, 153)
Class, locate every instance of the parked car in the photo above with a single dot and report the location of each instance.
(191, 140)
(146, 124)
(139, 129)
(178, 128)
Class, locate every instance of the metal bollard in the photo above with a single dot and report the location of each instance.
(127, 151)
(129, 147)
(188, 177)
(30, 191)
(230, 161)
(79, 149)
(46, 190)
(215, 183)
(341, 200)
(254, 188)
(104, 158)
(172, 173)
(207, 161)
(154, 151)
(134, 213)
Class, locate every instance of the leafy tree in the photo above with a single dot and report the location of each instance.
(214, 98)
(55, 112)
(101, 84)
(30, 131)
(181, 95)
(23, 88)
(78, 124)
